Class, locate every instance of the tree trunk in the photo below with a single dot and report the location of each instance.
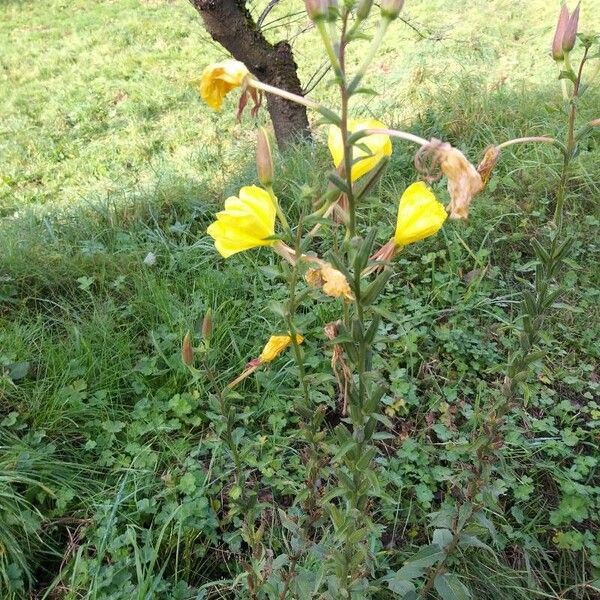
(230, 24)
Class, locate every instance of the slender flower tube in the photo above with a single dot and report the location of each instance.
(377, 146)
(248, 221)
(420, 215)
(218, 79)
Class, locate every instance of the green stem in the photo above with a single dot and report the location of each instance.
(280, 215)
(326, 38)
(345, 100)
(271, 89)
(371, 52)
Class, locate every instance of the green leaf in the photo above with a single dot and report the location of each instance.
(568, 75)
(449, 587)
(402, 587)
(339, 183)
(426, 557)
(329, 115)
(442, 538)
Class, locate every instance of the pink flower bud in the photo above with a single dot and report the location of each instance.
(187, 352)
(264, 158)
(364, 8)
(570, 35)
(207, 325)
(316, 9)
(561, 26)
(390, 9)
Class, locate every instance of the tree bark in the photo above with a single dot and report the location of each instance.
(230, 24)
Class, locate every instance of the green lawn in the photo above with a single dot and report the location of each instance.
(113, 481)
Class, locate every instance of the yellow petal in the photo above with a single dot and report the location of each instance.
(218, 79)
(420, 215)
(276, 345)
(378, 145)
(247, 222)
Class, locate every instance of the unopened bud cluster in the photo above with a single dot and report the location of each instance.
(565, 34)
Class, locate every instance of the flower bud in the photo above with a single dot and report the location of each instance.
(264, 158)
(563, 20)
(187, 352)
(332, 10)
(207, 325)
(570, 36)
(317, 9)
(390, 9)
(363, 10)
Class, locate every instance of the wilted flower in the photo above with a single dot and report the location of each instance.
(487, 164)
(273, 348)
(464, 182)
(218, 79)
(332, 281)
(247, 222)
(420, 215)
(372, 147)
(276, 345)
(339, 366)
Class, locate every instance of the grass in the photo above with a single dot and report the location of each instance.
(113, 481)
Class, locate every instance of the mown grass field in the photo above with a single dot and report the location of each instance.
(113, 480)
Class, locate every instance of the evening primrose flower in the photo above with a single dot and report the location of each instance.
(276, 345)
(248, 221)
(379, 145)
(218, 79)
(420, 215)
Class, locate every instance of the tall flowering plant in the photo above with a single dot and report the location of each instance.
(331, 524)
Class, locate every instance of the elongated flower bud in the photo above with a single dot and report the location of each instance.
(317, 9)
(563, 21)
(187, 352)
(390, 9)
(570, 35)
(264, 158)
(207, 325)
(332, 10)
(364, 8)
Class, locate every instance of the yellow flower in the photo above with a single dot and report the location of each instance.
(276, 345)
(245, 223)
(218, 79)
(419, 214)
(379, 145)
